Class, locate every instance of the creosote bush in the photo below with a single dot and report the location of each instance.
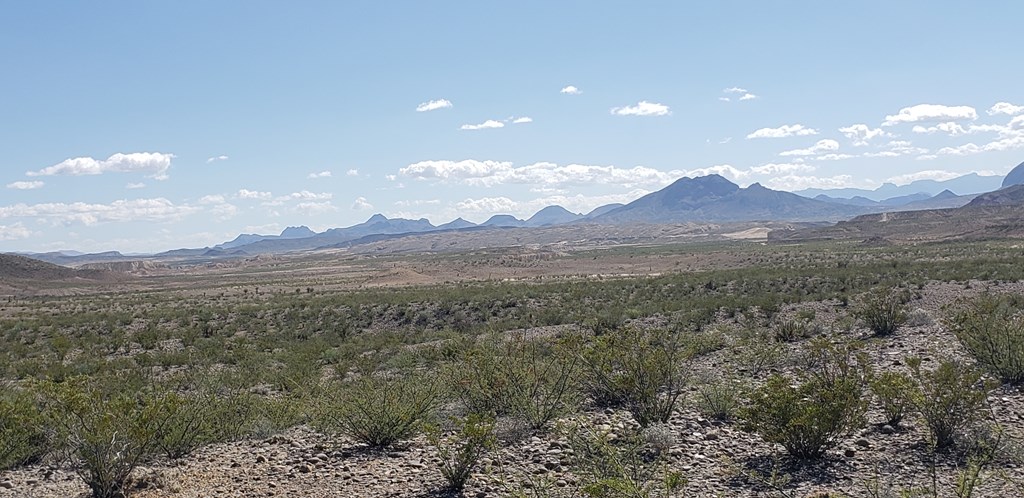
(460, 452)
(108, 434)
(22, 434)
(379, 411)
(894, 391)
(719, 399)
(643, 371)
(991, 327)
(622, 468)
(883, 311)
(529, 379)
(813, 413)
(951, 399)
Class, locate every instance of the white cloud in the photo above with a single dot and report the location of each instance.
(1010, 142)
(954, 129)
(861, 134)
(433, 105)
(322, 174)
(776, 168)
(411, 203)
(725, 99)
(305, 195)
(834, 157)
(487, 205)
(490, 173)
(826, 145)
(524, 119)
(932, 174)
(796, 182)
(157, 210)
(897, 148)
(570, 90)
(212, 199)
(642, 108)
(734, 89)
(931, 112)
(490, 123)
(1005, 108)
(361, 204)
(797, 130)
(253, 194)
(134, 185)
(314, 208)
(25, 185)
(352, 172)
(216, 158)
(748, 96)
(155, 163)
(16, 231)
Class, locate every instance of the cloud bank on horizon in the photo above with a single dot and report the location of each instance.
(203, 140)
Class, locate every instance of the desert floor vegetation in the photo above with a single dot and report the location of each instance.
(734, 369)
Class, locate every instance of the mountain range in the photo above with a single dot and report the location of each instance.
(707, 199)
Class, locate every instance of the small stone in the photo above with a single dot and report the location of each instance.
(887, 429)
(7, 485)
(305, 469)
(863, 443)
(711, 436)
(261, 459)
(849, 453)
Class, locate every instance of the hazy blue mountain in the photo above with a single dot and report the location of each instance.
(1014, 177)
(598, 211)
(972, 183)
(714, 199)
(456, 224)
(552, 215)
(503, 220)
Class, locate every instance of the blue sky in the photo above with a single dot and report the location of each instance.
(146, 126)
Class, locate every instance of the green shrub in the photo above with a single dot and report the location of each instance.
(531, 379)
(991, 327)
(109, 434)
(620, 469)
(883, 311)
(642, 371)
(894, 391)
(792, 330)
(814, 413)
(22, 435)
(379, 412)
(951, 399)
(719, 399)
(459, 454)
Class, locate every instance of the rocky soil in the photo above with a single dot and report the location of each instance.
(717, 458)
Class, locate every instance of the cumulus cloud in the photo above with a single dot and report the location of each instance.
(931, 112)
(954, 129)
(25, 185)
(486, 206)
(1007, 143)
(1005, 108)
(253, 194)
(16, 231)
(826, 145)
(135, 185)
(216, 158)
(777, 168)
(734, 89)
(433, 105)
(797, 182)
(796, 130)
(570, 90)
(361, 204)
(834, 157)
(154, 163)
(157, 210)
(322, 174)
(524, 119)
(490, 173)
(642, 108)
(314, 208)
(748, 96)
(352, 172)
(897, 148)
(490, 123)
(861, 134)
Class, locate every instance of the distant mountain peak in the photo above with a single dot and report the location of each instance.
(377, 218)
(297, 232)
(1015, 176)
